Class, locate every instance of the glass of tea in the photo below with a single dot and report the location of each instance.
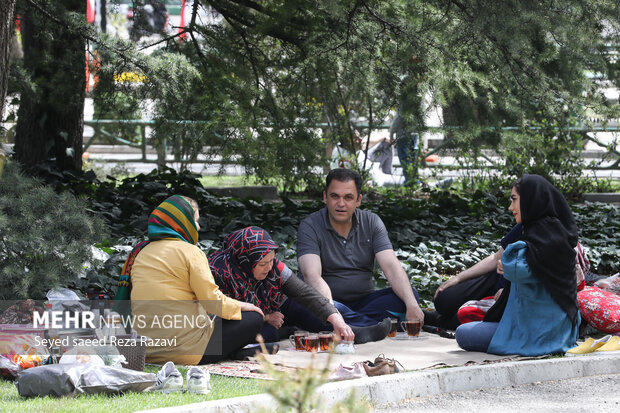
(311, 342)
(411, 327)
(326, 340)
(392, 332)
(295, 340)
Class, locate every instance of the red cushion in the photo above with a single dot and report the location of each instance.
(600, 308)
(474, 310)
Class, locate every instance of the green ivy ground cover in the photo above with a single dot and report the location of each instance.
(437, 234)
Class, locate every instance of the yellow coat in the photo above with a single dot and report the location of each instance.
(173, 299)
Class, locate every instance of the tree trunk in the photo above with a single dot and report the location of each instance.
(50, 119)
(6, 31)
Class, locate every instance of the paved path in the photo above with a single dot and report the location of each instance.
(402, 387)
(580, 395)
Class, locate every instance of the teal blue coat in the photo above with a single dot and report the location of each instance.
(533, 324)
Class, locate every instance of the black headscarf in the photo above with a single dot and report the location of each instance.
(550, 232)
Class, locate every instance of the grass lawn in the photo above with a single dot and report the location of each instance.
(221, 388)
(228, 180)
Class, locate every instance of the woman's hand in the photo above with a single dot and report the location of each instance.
(276, 319)
(341, 329)
(251, 307)
(500, 267)
(447, 284)
(497, 294)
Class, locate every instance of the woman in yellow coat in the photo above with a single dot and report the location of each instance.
(174, 299)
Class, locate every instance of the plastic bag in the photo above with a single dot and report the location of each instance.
(100, 355)
(8, 368)
(81, 355)
(64, 299)
(611, 284)
(20, 351)
(71, 379)
(345, 347)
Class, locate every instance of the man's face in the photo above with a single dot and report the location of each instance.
(341, 199)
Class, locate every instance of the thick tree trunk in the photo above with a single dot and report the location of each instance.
(7, 8)
(50, 119)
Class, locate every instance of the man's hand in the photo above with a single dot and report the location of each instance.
(276, 319)
(251, 307)
(341, 329)
(415, 314)
(446, 284)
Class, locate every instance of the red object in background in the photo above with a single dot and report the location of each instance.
(92, 67)
(183, 35)
(90, 11)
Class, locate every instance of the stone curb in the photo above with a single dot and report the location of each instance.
(394, 388)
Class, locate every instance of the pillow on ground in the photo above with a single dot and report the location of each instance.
(600, 308)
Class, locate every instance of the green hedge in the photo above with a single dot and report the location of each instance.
(439, 233)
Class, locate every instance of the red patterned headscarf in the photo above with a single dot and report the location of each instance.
(232, 269)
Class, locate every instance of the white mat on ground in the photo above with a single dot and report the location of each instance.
(425, 351)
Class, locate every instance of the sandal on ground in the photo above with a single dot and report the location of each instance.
(382, 365)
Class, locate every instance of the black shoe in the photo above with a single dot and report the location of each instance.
(372, 333)
(431, 318)
(437, 330)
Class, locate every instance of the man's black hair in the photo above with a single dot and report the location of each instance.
(344, 175)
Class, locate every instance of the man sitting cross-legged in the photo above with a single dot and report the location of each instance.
(337, 247)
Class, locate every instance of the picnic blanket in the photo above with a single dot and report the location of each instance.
(427, 350)
(423, 352)
(247, 369)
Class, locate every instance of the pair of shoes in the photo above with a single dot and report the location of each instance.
(382, 365)
(603, 345)
(198, 381)
(612, 346)
(169, 380)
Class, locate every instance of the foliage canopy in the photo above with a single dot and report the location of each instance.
(438, 235)
(260, 80)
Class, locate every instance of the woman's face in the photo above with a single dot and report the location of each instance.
(196, 218)
(515, 205)
(262, 268)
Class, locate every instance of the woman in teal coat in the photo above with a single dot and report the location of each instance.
(541, 314)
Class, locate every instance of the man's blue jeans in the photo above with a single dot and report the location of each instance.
(373, 308)
(367, 311)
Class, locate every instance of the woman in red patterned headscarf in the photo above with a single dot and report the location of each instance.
(247, 270)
